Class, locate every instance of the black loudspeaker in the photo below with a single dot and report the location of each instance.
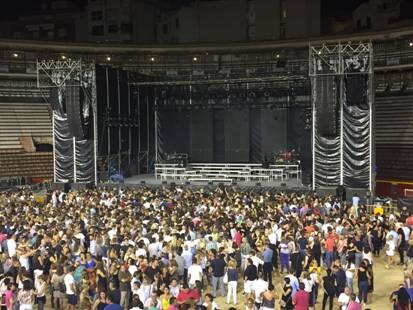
(74, 110)
(326, 106)
(54, 98)
(67, 187)
(341, 193)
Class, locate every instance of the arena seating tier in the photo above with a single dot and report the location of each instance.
(20, 121)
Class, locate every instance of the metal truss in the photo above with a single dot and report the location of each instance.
(340, 58)
(55, 73)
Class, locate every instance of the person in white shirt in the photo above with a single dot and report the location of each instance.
(258, 288)
(70, 285)
(256, 260)
(153, 302)
(174, 288)
(390, 251)
(344, 298)
(11, 245)
(210, 303)
(194, 273)
(350, 270)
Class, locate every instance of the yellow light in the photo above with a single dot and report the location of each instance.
(195, 59)
(15, 55)
(108, 58)
(152, 59)
(63, 57)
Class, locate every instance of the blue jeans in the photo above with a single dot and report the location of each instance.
(285, 262)
(363, 291)
(218, 282)
(357, 259)
(329, 258)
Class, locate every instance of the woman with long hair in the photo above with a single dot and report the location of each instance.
(58, 287)
(286, 302)
(26, 296)
(100, 302)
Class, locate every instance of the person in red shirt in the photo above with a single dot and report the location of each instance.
(329, 245)
(187, 296)
(301, 299)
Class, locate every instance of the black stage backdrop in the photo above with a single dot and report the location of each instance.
(125, 122)
(233, 135)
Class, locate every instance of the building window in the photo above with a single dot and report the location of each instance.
(177, 23)
(368, 22)
(358, 24)
(96, 15)
(113, 28)
(165, 28)
(126, 28)
(97, 30)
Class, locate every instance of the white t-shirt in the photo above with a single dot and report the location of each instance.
(69, 280)
(350, 274)
(344, 300)
(214, 305)
(194, 274)
(11, 247)
(391, 248)
(259, 287)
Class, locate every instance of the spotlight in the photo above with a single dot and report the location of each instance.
(319, 52)
(108, 58)
(411, 44)
(195, 59)
(15, 55)
(152, 59)
(63, 57)
(277, 56)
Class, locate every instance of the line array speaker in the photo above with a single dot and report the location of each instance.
(74, 110)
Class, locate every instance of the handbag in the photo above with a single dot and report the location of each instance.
(225, 279)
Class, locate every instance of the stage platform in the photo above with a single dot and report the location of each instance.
(150, 180)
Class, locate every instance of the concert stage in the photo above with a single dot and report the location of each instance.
(150, 180)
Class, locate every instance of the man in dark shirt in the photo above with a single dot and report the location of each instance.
(113, 304)
(125, 279)
(217, 267)
(250, 275)
(329, 289)
(340, 279)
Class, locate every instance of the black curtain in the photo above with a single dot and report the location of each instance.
(327, 147)
(356, 132)
(63, 141)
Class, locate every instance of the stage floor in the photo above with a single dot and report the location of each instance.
(149, 179)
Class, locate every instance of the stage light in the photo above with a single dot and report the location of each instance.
(108, 58)
(319, 52)
(63, 57)
(411, 44)
(15, 55)
(152, 59)
(277, 56)
(195, 59)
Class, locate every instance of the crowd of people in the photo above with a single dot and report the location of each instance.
(177, 248)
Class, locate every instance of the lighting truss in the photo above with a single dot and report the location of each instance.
(340, 58)
(278, 78)
(55, 73)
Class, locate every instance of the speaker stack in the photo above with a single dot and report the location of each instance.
(74, 109)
